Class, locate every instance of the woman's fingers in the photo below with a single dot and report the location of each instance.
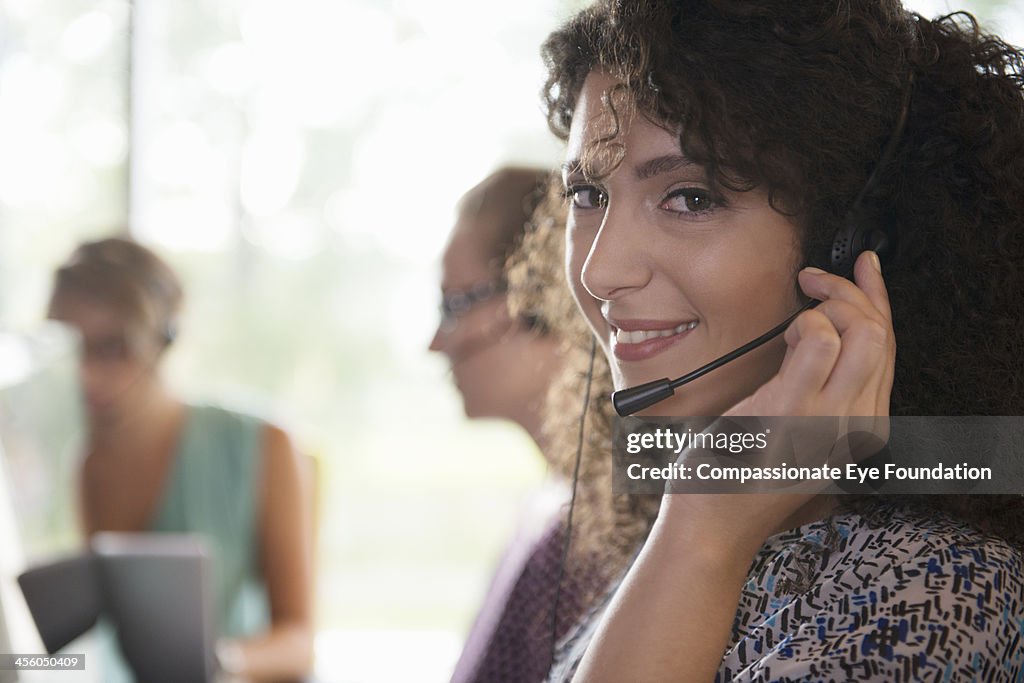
(816, 344)
(860, 370)
(861, 373)
(840, 355)
(867, 272)
(866, 353)
(868, 294)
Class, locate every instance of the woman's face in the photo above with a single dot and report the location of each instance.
(499, 367)
(115, 365)
(669, 274)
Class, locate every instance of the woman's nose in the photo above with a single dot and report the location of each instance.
(436, 344)
(615, 261)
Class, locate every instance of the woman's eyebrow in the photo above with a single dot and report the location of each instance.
(571, 167)
(656, 166)
(663, 164)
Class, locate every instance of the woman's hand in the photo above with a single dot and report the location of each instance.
(841, 355)
(839, 362)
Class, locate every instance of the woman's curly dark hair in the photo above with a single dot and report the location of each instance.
(800, 98)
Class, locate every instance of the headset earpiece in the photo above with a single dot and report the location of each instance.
(170, 333)
(862, 232)
(534, 323)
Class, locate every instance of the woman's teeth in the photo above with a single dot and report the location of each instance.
(637, 336)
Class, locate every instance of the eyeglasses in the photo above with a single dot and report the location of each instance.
(108, 350)
(456, 304)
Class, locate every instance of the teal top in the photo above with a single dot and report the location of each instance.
(212, 490)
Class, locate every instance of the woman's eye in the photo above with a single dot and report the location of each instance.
(106, 350)
(587, 197)
(689, 200)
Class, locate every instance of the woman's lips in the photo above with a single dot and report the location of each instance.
(640, 340)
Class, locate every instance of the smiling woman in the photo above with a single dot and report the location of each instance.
(704, 189)
(694, 252)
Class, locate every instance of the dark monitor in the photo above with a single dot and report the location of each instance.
(155, 591)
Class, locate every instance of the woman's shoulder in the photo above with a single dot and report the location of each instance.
(897, 591)
(211, 414)
(972, 576)
(233, 435)
(901, 536)
(898, 548)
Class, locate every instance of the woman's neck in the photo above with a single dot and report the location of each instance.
(531, 419)
(531, 412)
(150, 416)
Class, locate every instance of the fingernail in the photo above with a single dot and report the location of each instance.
(876, 262)
(814, 271)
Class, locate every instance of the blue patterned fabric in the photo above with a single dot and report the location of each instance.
(897, 596)
(900, 597)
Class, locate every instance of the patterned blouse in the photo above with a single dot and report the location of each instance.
(896, 596)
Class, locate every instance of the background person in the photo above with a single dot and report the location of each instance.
(155, 463)
(502, 364)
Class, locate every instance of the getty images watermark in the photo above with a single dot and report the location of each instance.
(899, 455)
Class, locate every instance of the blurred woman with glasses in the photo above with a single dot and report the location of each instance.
(503, 363)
